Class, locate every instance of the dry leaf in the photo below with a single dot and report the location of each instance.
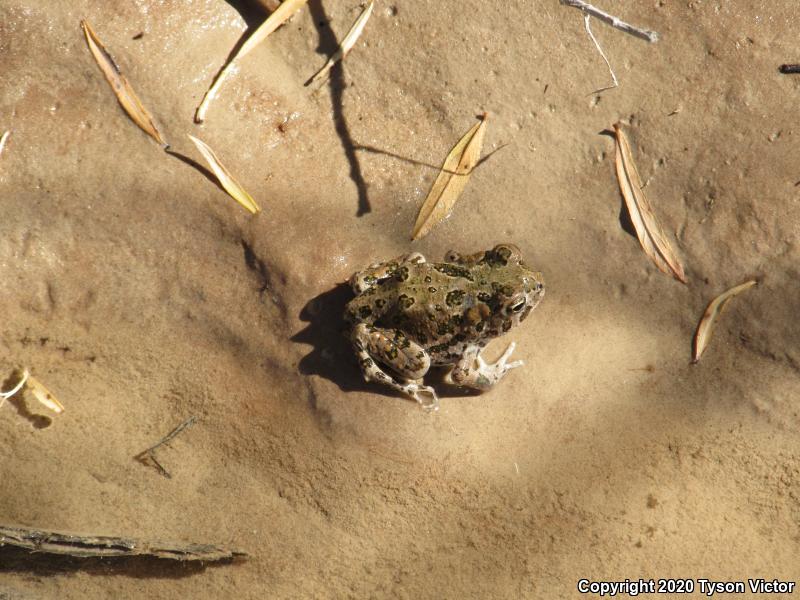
(3, 140)
(648, 230)
(234, 189)
(713, 311)
(347, 44)
(123, 90)
(451, 181)
(282, 14)
(42, 394)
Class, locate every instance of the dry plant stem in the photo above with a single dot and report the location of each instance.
(615, 22)
(615, 83)
(89, 546)
(149, 454)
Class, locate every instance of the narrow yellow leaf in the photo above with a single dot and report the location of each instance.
(648, 229)
(347, 44)
(3, 140)
(122, 89)
(282, 14)
(42, 394)
(451, 181)
(714, 309)
(234, 189)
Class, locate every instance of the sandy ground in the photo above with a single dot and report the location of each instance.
(142, 295)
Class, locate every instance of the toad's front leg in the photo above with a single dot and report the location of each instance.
(473, 372)
(375, 346)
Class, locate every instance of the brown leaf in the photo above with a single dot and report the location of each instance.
(451, 181)
(123, 90)
(706, 325)
(648, 229)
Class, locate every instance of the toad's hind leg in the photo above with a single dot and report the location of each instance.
(366, 278)
(472, 371)
(375, 346)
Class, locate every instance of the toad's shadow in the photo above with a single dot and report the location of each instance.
(332, 356)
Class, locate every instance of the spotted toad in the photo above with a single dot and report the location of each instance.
(409, 315)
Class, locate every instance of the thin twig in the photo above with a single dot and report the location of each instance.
(616, 22)
(789, 69)
(149, 454)
(586, 18)
(103, 546)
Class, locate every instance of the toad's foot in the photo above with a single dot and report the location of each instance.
(425, 395)
(474, 372)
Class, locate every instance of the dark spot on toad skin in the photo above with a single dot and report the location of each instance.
(405, 302)
(455, 297)
(432, 290)
(428, 279)
(364, 312)
(401, 274)
(454, 271)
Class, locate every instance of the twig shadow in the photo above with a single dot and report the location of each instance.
(624, 216)
(420, 163)
(327, 46)
(196, 166)
(251, 12)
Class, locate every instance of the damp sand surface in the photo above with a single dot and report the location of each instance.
(142, 295)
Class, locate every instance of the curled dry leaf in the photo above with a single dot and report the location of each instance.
(451, 181)
(122, 89)
(347, 44)
(20, 384)
(42, 394)
(3, 140)
(234, 189)
(709, 318)
(282, 14)
(648, 229)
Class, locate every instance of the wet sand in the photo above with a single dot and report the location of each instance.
(141, 295)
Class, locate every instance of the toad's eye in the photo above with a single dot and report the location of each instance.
(518, 306)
